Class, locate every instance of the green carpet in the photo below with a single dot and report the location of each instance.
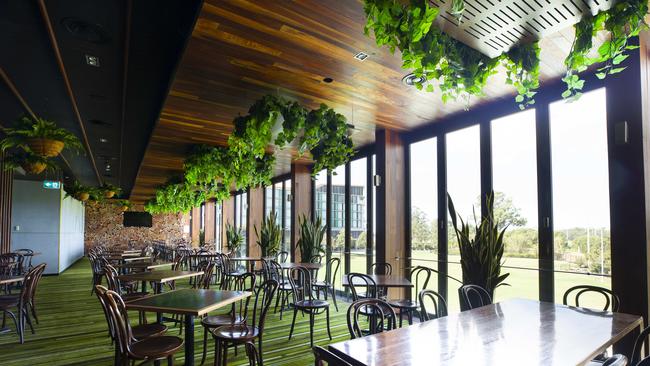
(72, 330)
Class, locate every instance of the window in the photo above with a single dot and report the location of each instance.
(203, 216)
(277, 188)
(580, 193)
(241, 216)
(320, 186)
(514, 179)
(424, 206)
(464, 187)
(286, 223)
(358, 215)
(337, 219)
(217, 225)
(268, 200)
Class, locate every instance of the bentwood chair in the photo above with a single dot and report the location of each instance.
(331, 270)
(304, 301)
(283, 256)
(27, 255)
(420, 276)
(246, 334)
(114, 284)
(238, 313)
(324, 357)
(96, 264)
(473, 296)
(383, 317)
(22, 302)
(381, 268)
(572, 296)
(361, 281)
(148, 349)
(439, 305)
(637, 358)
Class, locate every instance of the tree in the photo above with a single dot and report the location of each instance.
(339, 241)
(361, 241)
(505, 212)
(421, 233)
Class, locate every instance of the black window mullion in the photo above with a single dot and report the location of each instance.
(443, 244)
(486, 164)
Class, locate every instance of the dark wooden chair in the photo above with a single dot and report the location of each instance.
(357, 281)
(420, 276)
(276, 272)
(238, 313)
(21, 303)
(246, 334)
(283, 256)
(148, 349)
(438, 303)
(96, 265)
(382, 317)
(127, 291)
(305, 302)
(327, 285)
(324, 357)
(572, 296)
(381, 268)
(27, 255)
(637, 358)
(473, 296)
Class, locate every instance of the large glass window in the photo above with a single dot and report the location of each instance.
(320, 186)
(580, 193)
(277, 188)
(268, 200)
(217, 225)
(464, 187)
(286, 225)
(358, 215)
(203, 216)
(424, 206)
(337, 219)
(241, 216)
(514, 177)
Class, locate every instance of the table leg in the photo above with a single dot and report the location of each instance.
(189, 340)
(144, 286)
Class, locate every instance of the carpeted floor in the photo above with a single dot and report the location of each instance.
(72, 330)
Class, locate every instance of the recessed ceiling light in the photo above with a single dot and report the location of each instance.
(103, 140)
(361, 56)
(328, 80)
(412, 79)
(92, 60)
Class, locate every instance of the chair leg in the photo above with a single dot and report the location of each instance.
(21, 326)
(410, 317)
(33, 308)
(170, 360)
(311, 329)
(217, 352)
(29, 320)
(284, 296)
(334, 298)
(259, 342)
(277, 301)
(327, 317)
(205, 345)
(400, 318)
(293, 322)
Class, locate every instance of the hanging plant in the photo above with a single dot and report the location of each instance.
(30, 162)
(110, 190)
(522, 70)
(326, 137)
(124, 205)
(40, 137)
(78, 191)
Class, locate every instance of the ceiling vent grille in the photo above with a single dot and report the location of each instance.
(494, 26)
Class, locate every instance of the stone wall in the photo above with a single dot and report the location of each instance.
(104, 226)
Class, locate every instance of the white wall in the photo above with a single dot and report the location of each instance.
(71, 234)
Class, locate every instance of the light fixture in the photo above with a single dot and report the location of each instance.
(412, 79)
(328, 80)
(103, 140)
(361, 56)
(92, 60)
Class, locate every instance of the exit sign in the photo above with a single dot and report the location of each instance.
(51, 184)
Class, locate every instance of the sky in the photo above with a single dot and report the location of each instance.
(579, 161)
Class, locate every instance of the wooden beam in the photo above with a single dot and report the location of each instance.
(209, 217)
(254, 220)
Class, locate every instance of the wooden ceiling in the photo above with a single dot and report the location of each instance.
(241, 50)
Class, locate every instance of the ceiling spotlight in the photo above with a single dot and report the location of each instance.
(361, 56)
(108, 167)
(328, 80)
(92, 60)
(103, 140)
(412, 79)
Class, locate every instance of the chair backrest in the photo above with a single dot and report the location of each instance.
(178, 263)
(383, 317)
(263, 298)
(111, 278)
(204, 281)
(8, 268)
(572, 296)
(420, 277)
(323, 357)
(100, 291)
(439, 305)
(300, 282)
(381, 268)
(283, 256)
(120, 321)
(643, 362)
(474, 296)
(316, 259)
(37, 272)
(331, 269)
(638, 346)
(358, 281)
(272, 270)
(244, 282)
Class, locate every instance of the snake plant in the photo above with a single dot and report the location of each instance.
(269, 235)
(312, 233)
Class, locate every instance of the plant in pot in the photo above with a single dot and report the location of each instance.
(269, 236)
(95, 195)
(110, 190)
(234, 239)
(124, 205)
(39, 136)
(30, 162)
(78, 191)
(481, 249)
(312, 233)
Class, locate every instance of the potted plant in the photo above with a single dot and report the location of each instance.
(39, 136)
(78, 191)
(481, 249)
(201, 238)
(234, 239)
(311, 238)
(95, 195)
(30, 162)
(110, 190)
(124, 205)
(269, 236)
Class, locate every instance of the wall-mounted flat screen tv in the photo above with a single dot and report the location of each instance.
(137, 219)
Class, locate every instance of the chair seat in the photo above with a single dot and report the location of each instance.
(312, 304)
(9, 301)
(156, 347)
(148, 330)
(236, 333)
(214, 321)
(404, 304)
(286, 286)
(321, 284)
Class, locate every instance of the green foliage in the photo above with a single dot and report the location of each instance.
(76, 188)
(480, 255)
(522, 68)
(26, 128)
(234, 239)
(269, 236)
(326, 137)
(504, 211)
(311, 237)
(107, 187)
(123, 203)
(201, 237)
(22, 158)
(458, 8)
(179, 196)
(622, 21)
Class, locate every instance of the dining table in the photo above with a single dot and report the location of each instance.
(511, 332)
(144, 265)
(190, 303)
(158, 277)
(308, 266)
(250, 261)
(383, 281)
(6, 280)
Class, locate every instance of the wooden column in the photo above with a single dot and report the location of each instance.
(228, 207)
(301, 195)
(255, 216)
(6, 185)
(209, 222)
(391, 203)
(196, 225)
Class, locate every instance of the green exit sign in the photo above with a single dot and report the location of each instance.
(51, 184)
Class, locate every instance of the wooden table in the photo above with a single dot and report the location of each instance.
(190, 303)
(159, 277)
(145, 265)
(512, 332)
(384, 281)
(5, 280)
(309, 266)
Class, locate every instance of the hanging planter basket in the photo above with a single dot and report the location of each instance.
(45, 147)
(34, 168)
(109, 194)
(83, 196)
(124, 208)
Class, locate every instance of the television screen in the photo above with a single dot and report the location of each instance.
(138, 219)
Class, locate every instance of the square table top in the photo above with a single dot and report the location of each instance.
(309, 266)
(188, 301)
(512, 332)
(161, 276)
(383, 281)
(145, 265)
(11, 279)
